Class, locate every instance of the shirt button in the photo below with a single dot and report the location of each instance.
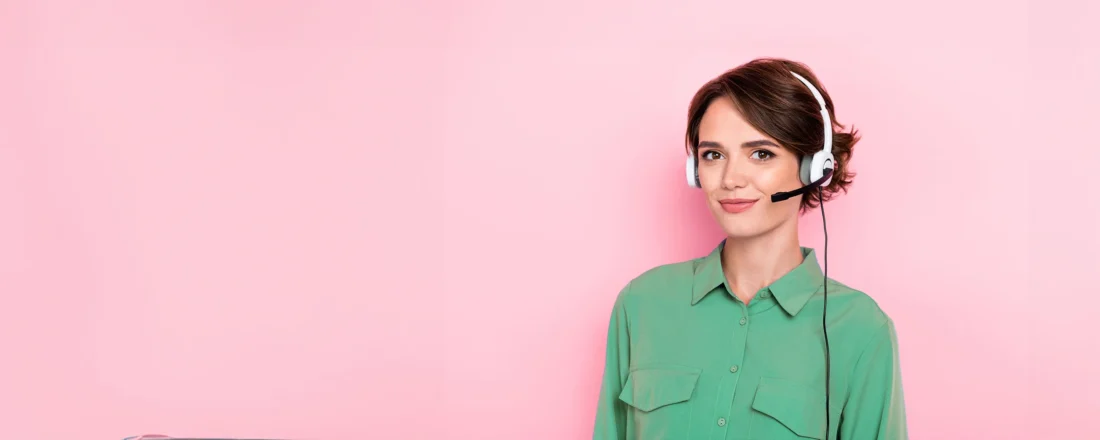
(722, 421)
(764, 294)
(743, 321)
(733, 369)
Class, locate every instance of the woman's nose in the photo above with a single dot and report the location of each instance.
(734, 175)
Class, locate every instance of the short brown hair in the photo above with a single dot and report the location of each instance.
(779, 105)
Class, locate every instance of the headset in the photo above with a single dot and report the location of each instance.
(815, 172)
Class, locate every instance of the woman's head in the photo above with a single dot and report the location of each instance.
(748, 130)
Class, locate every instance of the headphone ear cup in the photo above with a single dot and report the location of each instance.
(804, 170)
(821, 161)
(692, 172)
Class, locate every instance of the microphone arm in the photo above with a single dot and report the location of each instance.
(781, 196)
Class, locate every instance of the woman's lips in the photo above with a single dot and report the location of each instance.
(734, 206)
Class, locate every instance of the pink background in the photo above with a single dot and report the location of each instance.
(410, 219)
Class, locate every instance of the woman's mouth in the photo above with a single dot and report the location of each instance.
(734, 206)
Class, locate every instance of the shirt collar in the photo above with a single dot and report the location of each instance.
(793, 290)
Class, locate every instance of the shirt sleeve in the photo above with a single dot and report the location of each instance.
(610, 411)
(876, 406)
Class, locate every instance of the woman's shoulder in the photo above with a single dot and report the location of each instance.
(859, 310)
(662, 279)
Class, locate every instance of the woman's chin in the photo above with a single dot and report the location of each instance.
(742, 228)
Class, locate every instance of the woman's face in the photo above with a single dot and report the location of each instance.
(739, 169)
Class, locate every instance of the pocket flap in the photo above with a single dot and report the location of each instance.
(650, 388)
(797, 406)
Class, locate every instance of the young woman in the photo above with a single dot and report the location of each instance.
(749, 342)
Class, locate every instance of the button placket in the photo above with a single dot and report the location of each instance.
(728, 387)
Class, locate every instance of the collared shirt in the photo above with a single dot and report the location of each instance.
(686, 359)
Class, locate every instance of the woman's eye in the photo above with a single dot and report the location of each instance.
(762, 155)
(711, 155)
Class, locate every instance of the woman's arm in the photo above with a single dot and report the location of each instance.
(610, 411)
(876, 406)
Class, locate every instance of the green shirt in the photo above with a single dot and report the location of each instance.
(686, 359)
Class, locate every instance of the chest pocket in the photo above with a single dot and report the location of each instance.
(785, 409)
(659, 398)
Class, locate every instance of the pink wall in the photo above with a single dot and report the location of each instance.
(410, 221)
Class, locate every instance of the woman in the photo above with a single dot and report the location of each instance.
(744, 342)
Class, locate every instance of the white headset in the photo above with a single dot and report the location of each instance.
(812, 168)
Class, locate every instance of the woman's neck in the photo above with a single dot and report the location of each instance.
(750, 264)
